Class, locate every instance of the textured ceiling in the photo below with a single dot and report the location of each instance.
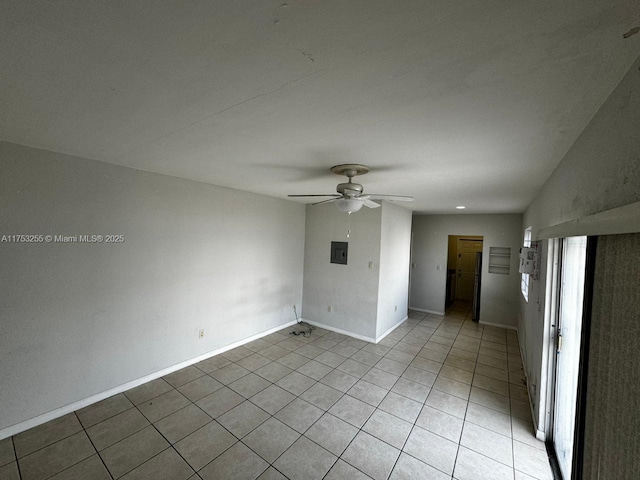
(453, 102)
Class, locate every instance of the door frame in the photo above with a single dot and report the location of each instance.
(554, 284)
(583, 366)
(465, 239)
(552, 294)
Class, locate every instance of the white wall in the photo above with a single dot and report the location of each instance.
(499, 293)
(364, 293)
(531, 332)
(352, 289)
(395, 249)
(600, 172)
(80, 319)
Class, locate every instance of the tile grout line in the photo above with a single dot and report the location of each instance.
(455, 462)
(51, 444)
(239, 440)
(271, 464)
(463, 420)
(225, 450)
(89, 438)
(15, 455)
(338, 457)
(150, 424)
(172, 445)
(368, 418)
(512, 467)
(415, 424)
(94, 447)
(79, 461)
(343, 393)
(376, 408)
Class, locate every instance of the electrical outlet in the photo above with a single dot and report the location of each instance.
(201, 333)
(329, 308)
(396, 308)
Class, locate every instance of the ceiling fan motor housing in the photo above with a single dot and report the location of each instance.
(349, 189)
(351, 198)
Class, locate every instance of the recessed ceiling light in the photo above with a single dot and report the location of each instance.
(461, 207)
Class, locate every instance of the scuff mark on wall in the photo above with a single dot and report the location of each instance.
(631, 32)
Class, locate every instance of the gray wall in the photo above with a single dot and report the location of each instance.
(352, 289)
(612, 439)
(499, 293)
(80, 319)
(395, 249)
(364, 293)
(600, 172)
(532, 332)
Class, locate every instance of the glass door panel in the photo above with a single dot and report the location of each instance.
(568, 349)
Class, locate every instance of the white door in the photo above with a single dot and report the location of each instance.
(569, 326)
(467, 250)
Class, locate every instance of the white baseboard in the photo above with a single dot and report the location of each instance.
(433, 312)
(540, 435)
(356, 335)
(499, 325)
(339, 330)
(381, 337)
(72, 407)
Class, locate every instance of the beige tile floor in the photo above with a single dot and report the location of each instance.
(438, 398)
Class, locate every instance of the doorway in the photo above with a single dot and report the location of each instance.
(567, 348)
(464, 270)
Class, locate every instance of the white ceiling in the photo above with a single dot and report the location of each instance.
(453, 102)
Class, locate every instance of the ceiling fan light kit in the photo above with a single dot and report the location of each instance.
(350, 197)
(349, 205)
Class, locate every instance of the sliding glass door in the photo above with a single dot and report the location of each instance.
(570, 310)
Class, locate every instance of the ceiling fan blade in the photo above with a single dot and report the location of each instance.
(369, 203)
(318, 195)
(325, 201)
(393, 198)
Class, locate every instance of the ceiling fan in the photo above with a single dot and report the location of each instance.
(351, 197)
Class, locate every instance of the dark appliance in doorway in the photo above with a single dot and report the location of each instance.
(475, 312)
(451, 287)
